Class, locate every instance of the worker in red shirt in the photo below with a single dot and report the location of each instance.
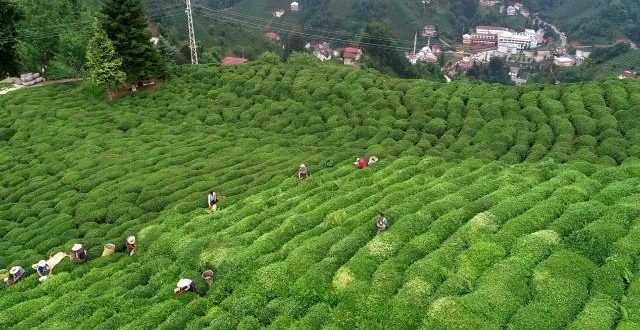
(131, 246)
(360, 163)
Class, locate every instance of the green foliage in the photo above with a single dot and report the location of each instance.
(10, 15)
(104, 65)
(125, 24)
(508, 207)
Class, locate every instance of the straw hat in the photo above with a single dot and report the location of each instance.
(302, 165)
(183, 283)
(14, 270)
(131, 239)
(76, 247)
(42, 263)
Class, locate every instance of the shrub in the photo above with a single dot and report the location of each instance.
(7, 133)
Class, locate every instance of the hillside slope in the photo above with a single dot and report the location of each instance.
(510, 207)
(613, 67)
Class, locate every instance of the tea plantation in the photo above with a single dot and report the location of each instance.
(508, 207)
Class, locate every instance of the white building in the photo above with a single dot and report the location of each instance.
(278, 12)
(509, 40)
(582, 53)
(520, 40)
(564, 61)
(488, 29)
(295, 6)
(511, 10)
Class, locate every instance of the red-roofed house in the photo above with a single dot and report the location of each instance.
(272, 36)
(233, 60)
(350, 55)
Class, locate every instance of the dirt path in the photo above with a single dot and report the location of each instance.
(16, 87)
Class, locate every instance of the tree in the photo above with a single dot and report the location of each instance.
(104, 64)
(295, 43)
(167, 50)
(72, 52)
(377, 44)
(48, 22)
(9, 16)
(125, 24)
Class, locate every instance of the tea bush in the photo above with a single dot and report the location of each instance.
(509, 207)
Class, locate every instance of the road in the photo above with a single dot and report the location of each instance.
(563, 36)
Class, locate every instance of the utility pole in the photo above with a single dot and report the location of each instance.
(192, 37)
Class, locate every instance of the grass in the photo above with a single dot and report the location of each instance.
(509, 207)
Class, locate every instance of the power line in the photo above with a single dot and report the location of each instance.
(321, 37)
(333, 32)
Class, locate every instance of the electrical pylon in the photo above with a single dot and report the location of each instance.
(192, 37)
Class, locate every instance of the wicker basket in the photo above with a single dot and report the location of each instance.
(109, 249)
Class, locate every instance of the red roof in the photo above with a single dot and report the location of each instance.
(233, 60)
(351, 52)
(271, 35)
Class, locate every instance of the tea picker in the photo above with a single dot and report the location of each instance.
(17, 273)
(302, 172)
(212, 201)
(78, 253)
(382, 223)
(360, 163)
(43, 269)
(131, 245)
(184, 285)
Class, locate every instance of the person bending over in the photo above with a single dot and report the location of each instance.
(302, 172)
(382, 223)
(212, 200)
(184, 285)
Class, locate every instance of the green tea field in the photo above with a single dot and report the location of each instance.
(509, 207)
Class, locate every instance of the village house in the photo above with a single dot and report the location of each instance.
(321, 50)
(295, 6)
(424, 55)
(511, 10)
(564, 61)
(278, 12)
(466, 63)
(233, 60)
(628, 75)
(272, 36)
(489, 3)
(351, 55)
(429, 31)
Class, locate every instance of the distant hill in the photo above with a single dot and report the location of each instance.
(591, 21)
(587, 21)
(612, 67)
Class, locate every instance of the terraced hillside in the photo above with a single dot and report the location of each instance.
(509, 207)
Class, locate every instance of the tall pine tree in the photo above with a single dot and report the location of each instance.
(104, 64)
(9, 16)
(125, 23)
